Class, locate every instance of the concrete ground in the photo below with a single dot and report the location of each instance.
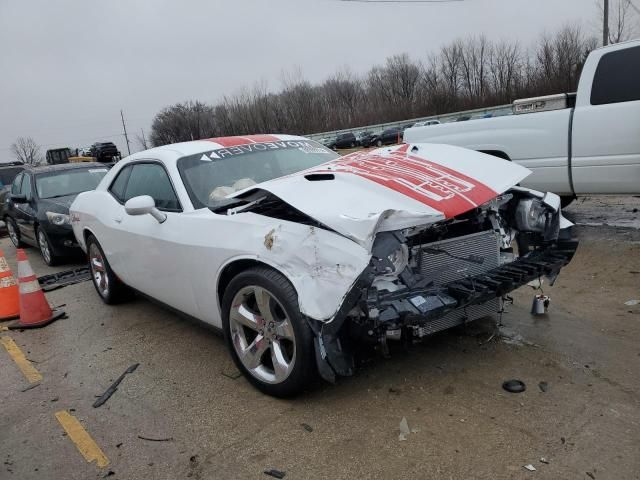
(209, 423)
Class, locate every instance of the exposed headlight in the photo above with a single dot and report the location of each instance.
(531, 215)
(58, 218)
(399, 258)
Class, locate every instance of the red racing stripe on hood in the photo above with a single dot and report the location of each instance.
(444, 189)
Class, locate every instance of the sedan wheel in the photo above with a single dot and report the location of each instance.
(45, 248)
(13, 233)
(379, 143)
(269, 339)
(262, 335)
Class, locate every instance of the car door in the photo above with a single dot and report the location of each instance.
(25, 213)
(606, 125)
(153, 262)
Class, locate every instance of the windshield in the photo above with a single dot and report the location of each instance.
(68, 182)
(211, 176)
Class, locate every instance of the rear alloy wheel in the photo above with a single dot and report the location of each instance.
(14, 234)
(379, 143)
(108, 286)
(45, 249)
(269, 340)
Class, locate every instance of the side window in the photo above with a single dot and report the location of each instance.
(120, 183)
(26, 186)
(151, 179)
(616, 78)
(16, 185)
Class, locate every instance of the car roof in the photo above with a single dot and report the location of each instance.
(174, 151)
(64, 166)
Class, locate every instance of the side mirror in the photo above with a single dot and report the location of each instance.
(18, 198)
(142, 205)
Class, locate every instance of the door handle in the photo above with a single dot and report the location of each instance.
(117, 220)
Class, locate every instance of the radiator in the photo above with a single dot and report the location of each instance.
(445, 267)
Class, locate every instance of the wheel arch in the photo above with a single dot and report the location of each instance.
(85, 234)
(496, 153)
(235, 266)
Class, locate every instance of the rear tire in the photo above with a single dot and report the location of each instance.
(14, 233)
(107, 284)
(378, 143)
(267, 336)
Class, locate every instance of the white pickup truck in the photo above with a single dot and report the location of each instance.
(575, 144)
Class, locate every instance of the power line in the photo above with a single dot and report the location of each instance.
(402, 1)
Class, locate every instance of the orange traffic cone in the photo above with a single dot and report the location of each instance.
(9, 300)
(34, 308)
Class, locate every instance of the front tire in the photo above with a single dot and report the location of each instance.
(14, 233)
(45, 248)
(269, 340)
(106, 283)
(379, 143)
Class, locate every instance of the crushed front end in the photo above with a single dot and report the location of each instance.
(425, 279)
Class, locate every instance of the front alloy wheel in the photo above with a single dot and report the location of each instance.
(45, 248)
(262, 335)
(269, 339)
(13, 232)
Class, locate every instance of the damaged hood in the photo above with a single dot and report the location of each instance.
(386, 189)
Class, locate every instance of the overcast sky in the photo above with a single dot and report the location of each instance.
(68, 67)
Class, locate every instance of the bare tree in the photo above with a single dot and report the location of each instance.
(621, 25)
(142, 140)
(26, 150)
(464, 74)
(183, 122)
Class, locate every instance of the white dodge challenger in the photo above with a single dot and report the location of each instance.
(298, 254)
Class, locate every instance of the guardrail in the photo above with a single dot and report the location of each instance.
(498, 111)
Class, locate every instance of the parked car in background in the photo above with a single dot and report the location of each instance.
(266, 242)
(37, 208)
(362, 136)
(8, 172)
(390, 136)
(580, 143)
(366, 138)
(344, 140)
(408, 125)
(105, 152)
(426, 123)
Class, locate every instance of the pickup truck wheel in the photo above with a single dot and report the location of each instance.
(269, 340)
(107, 284)
(14, 233)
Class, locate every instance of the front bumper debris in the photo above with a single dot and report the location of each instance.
(426, 309)
(422, 305)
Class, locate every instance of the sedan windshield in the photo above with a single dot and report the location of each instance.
(68, 182)
(211, 176)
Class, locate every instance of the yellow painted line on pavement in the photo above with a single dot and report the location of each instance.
(28, 370)
(78, 435)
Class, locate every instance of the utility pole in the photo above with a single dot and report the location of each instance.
(124, 127)
(605, 25)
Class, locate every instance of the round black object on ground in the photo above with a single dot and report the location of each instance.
(514, 386)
